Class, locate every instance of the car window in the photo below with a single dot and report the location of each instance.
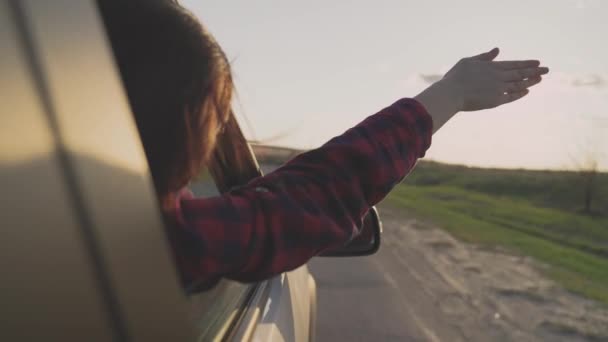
(214, 311)
(233, 164)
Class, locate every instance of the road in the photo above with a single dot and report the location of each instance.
(425, 286)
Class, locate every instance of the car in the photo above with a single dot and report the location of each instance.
(84, 252)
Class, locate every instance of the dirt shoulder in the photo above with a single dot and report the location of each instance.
(478, 289)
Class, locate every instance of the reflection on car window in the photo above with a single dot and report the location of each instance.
(214, 310)
(204, 186)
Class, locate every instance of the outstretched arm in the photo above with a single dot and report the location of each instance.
(317, 200)
(314, 202)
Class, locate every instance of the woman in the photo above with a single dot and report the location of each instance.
(180, 88)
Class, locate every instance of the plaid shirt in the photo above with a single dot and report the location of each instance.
(314, 202)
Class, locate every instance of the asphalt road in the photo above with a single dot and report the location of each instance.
(360, 300)
(377, 298)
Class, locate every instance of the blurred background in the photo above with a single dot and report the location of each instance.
(502, 230)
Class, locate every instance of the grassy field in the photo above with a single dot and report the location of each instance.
(536, 213)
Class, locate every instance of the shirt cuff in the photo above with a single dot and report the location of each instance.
(422, 121)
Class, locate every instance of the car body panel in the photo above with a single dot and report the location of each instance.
(44, 263)
(287, 313)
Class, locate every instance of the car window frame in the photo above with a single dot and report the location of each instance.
(65, 46)
(225, 306)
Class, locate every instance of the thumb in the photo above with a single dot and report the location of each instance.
(487, 56)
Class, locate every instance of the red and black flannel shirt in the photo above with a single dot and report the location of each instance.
(314, 202)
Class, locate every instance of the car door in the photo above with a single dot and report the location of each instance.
(84, 254)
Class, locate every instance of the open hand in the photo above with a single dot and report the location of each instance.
(482, 83)
(479, 82)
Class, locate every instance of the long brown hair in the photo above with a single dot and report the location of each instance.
(179, 85)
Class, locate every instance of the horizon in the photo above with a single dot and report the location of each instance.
(299, 84)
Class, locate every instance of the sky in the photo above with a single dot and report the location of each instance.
(306, 71)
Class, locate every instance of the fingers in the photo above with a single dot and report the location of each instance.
(516, 90)
(487, 56)
(510, 97)
(514, 87)
(521, 74)
(510, 65)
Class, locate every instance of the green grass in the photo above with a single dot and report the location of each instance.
(478, 206)
(554, 189)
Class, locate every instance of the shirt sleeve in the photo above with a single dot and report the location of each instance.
(314, 202)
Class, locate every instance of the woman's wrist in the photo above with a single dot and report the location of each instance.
(442, 101)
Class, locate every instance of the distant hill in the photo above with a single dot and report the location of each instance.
(554, 189)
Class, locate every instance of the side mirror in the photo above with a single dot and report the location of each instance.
(366, 243)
